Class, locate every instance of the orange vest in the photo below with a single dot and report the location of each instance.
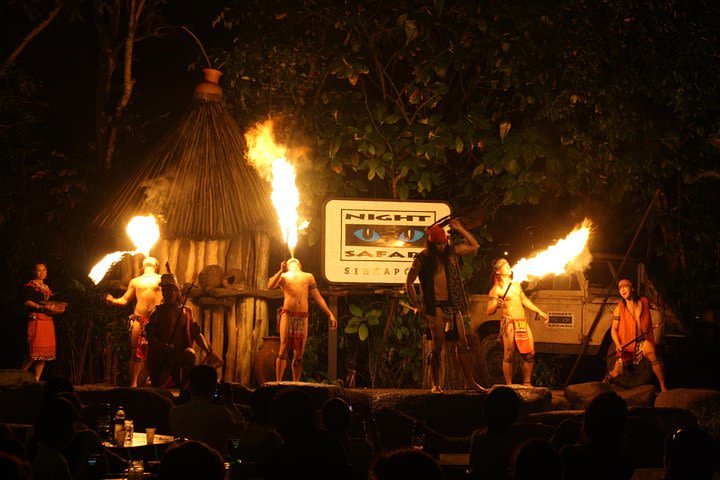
(627, 330)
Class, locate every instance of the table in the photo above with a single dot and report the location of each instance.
(140, 440)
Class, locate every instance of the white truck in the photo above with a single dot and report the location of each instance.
(572, 302)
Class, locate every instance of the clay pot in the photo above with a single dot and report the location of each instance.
(264, 367)
(209, 89)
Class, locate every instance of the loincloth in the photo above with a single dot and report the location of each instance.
(449, 315)
(521, 333)
(141, 349)
(635, 355)
(295, 329)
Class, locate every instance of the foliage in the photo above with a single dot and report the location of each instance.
(95, 338)
(490, 104)
(394, 350)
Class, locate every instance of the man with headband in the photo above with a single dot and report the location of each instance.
(632, 333)
(444, 300)
(145, 290)
(514, 329)
(296, 286)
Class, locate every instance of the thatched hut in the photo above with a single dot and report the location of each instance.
(216, 219)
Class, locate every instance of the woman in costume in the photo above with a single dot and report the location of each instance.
(41, 329)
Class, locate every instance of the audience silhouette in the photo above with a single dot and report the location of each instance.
(405, 463)
(192, 460)
(491, 449)
(689, 455)
(200, 418)
(536, 460)
(601, 453)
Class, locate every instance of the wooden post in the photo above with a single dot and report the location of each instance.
(332, 341)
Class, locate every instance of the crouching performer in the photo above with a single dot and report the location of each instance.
(171, 333)
(443, 297)
(514, 329)
(296, 286)
(632, 333)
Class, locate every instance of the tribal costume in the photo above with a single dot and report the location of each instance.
(41, 328)
(296, 328)
(629, 330)
(521, 335)
(140, 352)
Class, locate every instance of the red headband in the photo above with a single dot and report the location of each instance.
(436, 234)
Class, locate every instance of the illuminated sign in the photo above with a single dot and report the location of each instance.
(375, 241)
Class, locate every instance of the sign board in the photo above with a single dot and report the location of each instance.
(375, 241)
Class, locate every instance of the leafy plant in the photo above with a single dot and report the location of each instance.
(362, 320)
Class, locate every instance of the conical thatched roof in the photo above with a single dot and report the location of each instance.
(197, 180)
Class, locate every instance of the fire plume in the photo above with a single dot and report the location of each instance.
(144, 233)
(567, 254)
(270, 159)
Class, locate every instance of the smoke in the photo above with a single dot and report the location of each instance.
(157, 192)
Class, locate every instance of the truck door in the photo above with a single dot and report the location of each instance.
(561, 297)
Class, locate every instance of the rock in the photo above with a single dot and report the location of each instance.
(211, 276)
(581, 394)
(15, 377)
(640, 396)
(319, 392)
(704, 404)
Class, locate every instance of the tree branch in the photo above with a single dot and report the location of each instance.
(33, 33)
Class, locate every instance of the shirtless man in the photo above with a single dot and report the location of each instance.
(296, 285)
(145, 289)
(632, 332)
(514, 329)
(444, 300)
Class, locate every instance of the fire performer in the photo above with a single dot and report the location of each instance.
(444, 300)
(296, 285)
(171, 333)
(514, 329)
(145, 289)
(41, 329)
(632, 332)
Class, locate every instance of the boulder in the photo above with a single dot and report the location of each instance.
(704, 404)
(580, 395)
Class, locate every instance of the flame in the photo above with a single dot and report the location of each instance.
(271, 161)
(567, 254)
(144, 233)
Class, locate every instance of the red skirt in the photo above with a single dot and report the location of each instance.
(41, 337)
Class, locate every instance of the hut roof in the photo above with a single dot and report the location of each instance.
(197, 180)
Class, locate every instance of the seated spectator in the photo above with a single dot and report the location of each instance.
(601, 453)
(200, 418)
(336, 418)
(13, 467)
(536, 460)
(192, 461)
(689, 455)
(9, 443)
(259, 439)
(53, 432)
(491, 449)
(405, 463)
(306, 451)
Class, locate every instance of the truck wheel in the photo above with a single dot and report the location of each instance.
(490, 352)
(633, 375)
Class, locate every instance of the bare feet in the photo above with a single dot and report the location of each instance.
(475, 387)
(436, 389)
